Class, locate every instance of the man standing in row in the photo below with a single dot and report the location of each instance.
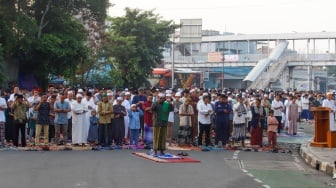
(20, 107)
(160, 110)
(43, 120)
(62, 108)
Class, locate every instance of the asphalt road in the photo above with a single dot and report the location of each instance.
(121, 169)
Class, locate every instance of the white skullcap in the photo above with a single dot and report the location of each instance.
(70, 92)
(80, 91)
(127, 93)
(79, 95)
(265, 95)
(205, 94)
(178, 94)
(161, 95)
(168, 95)
(133, 105)
(120, 99)
(109, 94)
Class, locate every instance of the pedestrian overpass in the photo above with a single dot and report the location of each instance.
(266, 67)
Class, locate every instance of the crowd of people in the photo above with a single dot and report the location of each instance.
(152, 117)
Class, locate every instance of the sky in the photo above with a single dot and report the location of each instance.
(242, 16)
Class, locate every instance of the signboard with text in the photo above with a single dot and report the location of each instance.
(217, 57)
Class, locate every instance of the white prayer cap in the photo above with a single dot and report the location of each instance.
(168, 91)
(80, 90)
(161, 95)
(178, 94)
(265, 95)
(133, 105)
(91, 90)
(70, 92)
(193, 90)
(120, 99)
(79, 95)
(109, 94)
(126, 89)
(205, 94)
(127, 93)
(168, 95)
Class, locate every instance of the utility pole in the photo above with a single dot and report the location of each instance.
(173, 62)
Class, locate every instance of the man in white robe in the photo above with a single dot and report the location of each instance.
(79, 130)
(330, 103)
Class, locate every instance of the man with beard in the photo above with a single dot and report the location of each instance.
(79, 110)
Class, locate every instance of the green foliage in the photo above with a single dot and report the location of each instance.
(45, 37)
(3, 76)
(135, 42)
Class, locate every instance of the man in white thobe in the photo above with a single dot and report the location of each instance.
(79, 110)
(330, 103)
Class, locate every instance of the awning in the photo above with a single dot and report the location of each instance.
(160, 71)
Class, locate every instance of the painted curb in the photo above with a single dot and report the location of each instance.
(314, 162)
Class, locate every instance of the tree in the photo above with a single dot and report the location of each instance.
(3, 77)
(46, 37)
(134, 42)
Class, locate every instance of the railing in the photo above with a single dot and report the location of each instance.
(270, 67)
(248, 58)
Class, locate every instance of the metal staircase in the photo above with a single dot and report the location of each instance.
(268, 70)
(271, 74)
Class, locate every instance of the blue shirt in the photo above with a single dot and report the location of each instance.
(219, 109)
(61, 117)
(134, 118)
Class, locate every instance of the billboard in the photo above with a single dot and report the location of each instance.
(217, 57)
(191, 31)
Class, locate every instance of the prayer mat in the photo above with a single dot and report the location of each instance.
(184, 148)
(81, 148)
(167, 158)
(101, 148)
(130, 146)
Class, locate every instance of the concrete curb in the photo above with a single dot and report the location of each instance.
(311, 159)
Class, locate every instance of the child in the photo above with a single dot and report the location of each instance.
(134, 124)
(93, 130)
(272, 124)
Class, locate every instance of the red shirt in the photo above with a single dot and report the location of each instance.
(148, 117)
